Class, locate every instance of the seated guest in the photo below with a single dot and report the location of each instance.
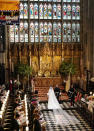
(15, 125)
(1, 128)
(36, 111)
(33, 107)
(36, 123)
(0, 105)
(16, 103)
(36, 91)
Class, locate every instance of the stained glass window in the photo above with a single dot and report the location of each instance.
(64, 12)
(45, 32)
(32, 31)
(31, 11)
(66, 0)
(68, 12)
(78, 32)
(75, 0)
(58, 0)
(49, 11)
(69, 32)
(59, 31)
(36, 11)
(11, 33)
(21, 11)
(25, 11)
(36, 32)
(16, 34)
(41, 11)
(77, 12)
(45, 24)
(26, 31)
(41, 32)
(21, 32)
(45, 11)
(64, 32)
(73, 32)
(54, 0)
(58, 11)
(73, 12)
(54, 32)
(54, 11)
(49, 32)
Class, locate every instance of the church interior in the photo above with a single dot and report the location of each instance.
(46, 65)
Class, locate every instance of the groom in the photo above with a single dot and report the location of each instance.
(57, 92)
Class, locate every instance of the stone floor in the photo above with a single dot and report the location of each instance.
(51, 125)
(44, 97)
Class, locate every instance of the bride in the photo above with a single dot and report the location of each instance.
(61, 116)
(52, 100)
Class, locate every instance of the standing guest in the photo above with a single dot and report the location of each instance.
(72, 95)
(10, 85)
(7, 86)
(33, 85)
(64, 85)
(57, 92)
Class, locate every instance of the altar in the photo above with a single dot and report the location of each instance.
(47, 81)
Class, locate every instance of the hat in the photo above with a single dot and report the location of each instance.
(34, 102)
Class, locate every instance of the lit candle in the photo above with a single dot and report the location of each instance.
(27, 128)
(90, 93)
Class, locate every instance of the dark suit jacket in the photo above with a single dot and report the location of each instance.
(1, 128)
(15, 125)
(37, 126)
(57, 92)
(57, 89)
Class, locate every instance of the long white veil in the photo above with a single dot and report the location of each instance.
(61, 116)
(52, 100)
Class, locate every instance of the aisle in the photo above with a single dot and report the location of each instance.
(51, 124)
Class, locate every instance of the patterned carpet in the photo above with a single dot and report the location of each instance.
(82, 125)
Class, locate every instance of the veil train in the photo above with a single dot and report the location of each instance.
(61, 116)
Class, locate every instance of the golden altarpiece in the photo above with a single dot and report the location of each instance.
(48, 33)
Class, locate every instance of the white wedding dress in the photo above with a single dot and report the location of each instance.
(61, 116)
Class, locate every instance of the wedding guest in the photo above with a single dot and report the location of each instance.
(0, 105)
(64, 85)
(11, 86)
(57, 92)
(36, 123)
(1, 128)
(15, 125)
(72, 95)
